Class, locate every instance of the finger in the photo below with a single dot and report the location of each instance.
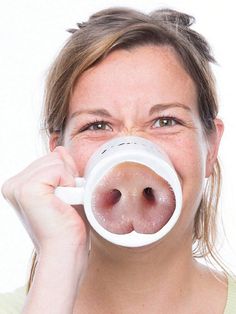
(70, 164)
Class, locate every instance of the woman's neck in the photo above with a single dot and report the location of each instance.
(119, 277)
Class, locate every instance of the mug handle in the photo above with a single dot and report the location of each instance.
(72, 195)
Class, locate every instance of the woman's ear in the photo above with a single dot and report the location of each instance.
(213, 146)
(54, 140)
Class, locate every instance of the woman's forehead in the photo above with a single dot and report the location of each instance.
(150, 74)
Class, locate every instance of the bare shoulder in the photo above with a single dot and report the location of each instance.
(212, 289)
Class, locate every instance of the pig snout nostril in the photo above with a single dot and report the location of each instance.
(148, 193)
(113, 197)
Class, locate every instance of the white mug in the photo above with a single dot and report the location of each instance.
(129, 149)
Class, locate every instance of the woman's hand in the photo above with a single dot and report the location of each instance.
(58, 231)
(48, 220)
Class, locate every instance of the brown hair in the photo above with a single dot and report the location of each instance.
(122, 28)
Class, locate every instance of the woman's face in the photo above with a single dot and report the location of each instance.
(143, 92)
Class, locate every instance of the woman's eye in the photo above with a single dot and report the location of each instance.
(97, 126)
(165, 122)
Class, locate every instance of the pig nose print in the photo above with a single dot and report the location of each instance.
(110, 198)
(132, 197)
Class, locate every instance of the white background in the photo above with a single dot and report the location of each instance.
(31, 34)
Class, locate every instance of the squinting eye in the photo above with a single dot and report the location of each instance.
(96, 126)
(165, 122)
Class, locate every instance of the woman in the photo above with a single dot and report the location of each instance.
(126, 73)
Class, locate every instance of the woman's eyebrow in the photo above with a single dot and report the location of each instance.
(97, 112)
(104, 113)
(162, 107)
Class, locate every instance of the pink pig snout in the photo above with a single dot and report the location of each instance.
(130, 197)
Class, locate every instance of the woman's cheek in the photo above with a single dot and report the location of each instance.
(192, 171)
(81, 151)
(189, 156)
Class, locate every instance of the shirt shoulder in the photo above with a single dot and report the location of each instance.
(12, 302)
(231, 299)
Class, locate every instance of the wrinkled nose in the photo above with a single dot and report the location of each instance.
(132, 197)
